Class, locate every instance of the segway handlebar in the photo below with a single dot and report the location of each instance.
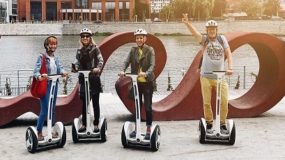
(215, 72)
(133, 76)
(54, 77)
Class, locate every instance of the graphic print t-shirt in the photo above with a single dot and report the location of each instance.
(213, 56)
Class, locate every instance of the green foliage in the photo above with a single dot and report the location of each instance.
(205, 9)
(166, 13)
(141, 10)
(250, 7)
(219, 8)
(271, 7)
(196, 9)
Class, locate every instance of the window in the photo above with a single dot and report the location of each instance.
(97, 5)
(82, 3)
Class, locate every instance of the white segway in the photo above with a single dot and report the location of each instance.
(32, 142)
(216, 136)
(89, 134)
(128, 128)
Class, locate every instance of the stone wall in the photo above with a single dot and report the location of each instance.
(30, 29)
(271, 27)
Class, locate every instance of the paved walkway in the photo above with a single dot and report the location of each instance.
(259, 138)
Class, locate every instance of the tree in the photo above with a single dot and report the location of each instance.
(251, 7)
(271, 7)
(204, 9)
(141, 10)
(179, 7)
(219, 8)
(166, 13)
(196, 9)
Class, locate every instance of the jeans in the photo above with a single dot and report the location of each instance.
(207, 85)
(146, 90)
(44, 107)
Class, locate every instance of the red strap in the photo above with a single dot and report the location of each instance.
(43, 66)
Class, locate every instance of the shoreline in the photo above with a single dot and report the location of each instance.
(108, 34)
(272, 27)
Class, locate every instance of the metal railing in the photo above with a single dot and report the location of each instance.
(16, 82)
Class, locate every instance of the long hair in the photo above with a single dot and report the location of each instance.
(92, 42)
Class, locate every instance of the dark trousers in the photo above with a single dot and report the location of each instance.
(146, 90)
(96, 108)
(95, 89)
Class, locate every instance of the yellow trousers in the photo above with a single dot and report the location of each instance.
(207, 85)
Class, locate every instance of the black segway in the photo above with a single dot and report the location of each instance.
(128, 128)
(216, 136)
(89, 134)
(32, 142)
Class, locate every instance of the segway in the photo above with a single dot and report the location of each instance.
(128, 128)
(32, 142)
(89, 134)
(216, 136)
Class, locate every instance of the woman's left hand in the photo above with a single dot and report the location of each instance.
(96, 70)
(64, 74)
(142, 74)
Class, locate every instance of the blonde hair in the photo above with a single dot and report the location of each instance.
(91, 41)
(52, 40)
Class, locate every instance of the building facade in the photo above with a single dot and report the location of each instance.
(157, 5)
(8, 11)
(76, 10)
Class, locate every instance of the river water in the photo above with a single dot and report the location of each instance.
(20, 53)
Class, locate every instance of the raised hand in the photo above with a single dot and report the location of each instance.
(185, 18)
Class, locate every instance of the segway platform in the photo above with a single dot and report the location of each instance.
(32, 142)
(139, 140)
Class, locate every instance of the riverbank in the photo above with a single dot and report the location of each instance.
(160, 28)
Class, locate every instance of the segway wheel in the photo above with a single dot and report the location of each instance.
(202, 131)
(155, 139)
(124, 138)
(31, 140)
(63, 138)
(103, 131)
(74, 134)
(233, 135)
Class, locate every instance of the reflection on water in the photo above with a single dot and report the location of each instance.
(20, 52)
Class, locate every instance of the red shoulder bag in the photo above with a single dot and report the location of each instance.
(39, 88)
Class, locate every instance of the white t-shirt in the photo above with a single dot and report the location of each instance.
(213, 56)
(53, 68)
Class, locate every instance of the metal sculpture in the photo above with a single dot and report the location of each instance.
(185, 102)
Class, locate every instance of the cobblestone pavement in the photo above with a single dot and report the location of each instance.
(261, 137)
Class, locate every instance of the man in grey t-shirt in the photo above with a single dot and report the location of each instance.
(215, 50)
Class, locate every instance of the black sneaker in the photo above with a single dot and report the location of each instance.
(147, 136)
(209, 127)
(82, 129)
(133, 134)
(96, 130)
(224, 129)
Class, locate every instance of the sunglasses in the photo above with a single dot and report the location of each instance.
(85, 36)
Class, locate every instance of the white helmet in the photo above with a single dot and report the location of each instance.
(140, 31)
(211, 23)
(86, 31)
